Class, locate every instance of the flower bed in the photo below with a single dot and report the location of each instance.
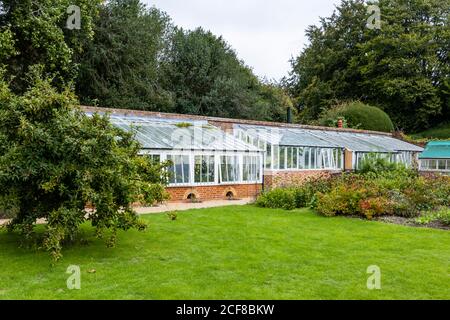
(399, 192)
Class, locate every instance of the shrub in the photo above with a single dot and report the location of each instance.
(401, 205)
(300, 196)
(341, 200)
(400, 192)
(440, 186)
(305, 195)
(358, 115)
(442, 216)
(277, 198)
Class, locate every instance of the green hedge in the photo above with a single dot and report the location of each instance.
(358, 115)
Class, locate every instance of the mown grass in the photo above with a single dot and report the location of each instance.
(239, 252)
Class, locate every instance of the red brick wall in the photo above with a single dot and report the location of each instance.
(215, 192)
(277, 179)
(225, 126)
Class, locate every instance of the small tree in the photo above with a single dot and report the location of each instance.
(56, 161)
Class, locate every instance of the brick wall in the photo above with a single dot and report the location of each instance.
(277, 179)
(217, 192)
(224, 126)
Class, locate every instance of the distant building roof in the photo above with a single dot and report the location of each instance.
(436, 150)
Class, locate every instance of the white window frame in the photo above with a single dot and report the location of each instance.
(254, 162)
(214, 169)
(436, 167)
(217, 170)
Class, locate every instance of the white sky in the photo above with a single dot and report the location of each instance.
(264, 33)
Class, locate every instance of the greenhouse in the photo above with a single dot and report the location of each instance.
(218, 158)
(304, 149)
(201, 154)
(292, 149)
(436, 157)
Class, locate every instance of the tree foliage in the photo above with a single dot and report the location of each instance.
(55, 162)
(39, 35)
(206, 77)
(403, 68)
(359, 116)
(139, 60)
(120, 66)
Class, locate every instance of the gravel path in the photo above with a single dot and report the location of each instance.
(181, 206)
(178, 206)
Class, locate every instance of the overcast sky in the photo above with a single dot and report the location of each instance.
(264, 33)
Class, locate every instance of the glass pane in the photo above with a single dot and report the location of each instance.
(319, 158)
(294, 158)
(307, 158)
(246, 168)
(276, 157)
(236, 169)
(211, 171)
(433, 164)
(230, 168)
(301, 160)
(197, 169)
(313, 158)
(223, 168)
(252, 170)
(326, 158)
(258, 168)
(282, 157)
(186, 169)
(268, 156)
(441, 164)
(204, 169)
(171, 169)
(289, 157)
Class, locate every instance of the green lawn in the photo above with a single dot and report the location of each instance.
(239, 253)
(440, 132)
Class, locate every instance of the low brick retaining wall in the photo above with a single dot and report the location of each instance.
(216, 192)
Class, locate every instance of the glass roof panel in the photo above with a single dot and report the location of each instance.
(180, 135)
(358, 142)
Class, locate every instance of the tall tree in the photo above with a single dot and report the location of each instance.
(206, 77)
(402, 68)
(120, 67)
(40, 36)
